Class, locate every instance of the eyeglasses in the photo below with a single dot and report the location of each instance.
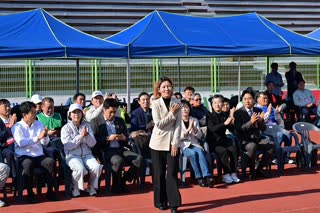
(199, 99)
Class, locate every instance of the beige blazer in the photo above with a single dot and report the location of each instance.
(192, 137)
(167, 126)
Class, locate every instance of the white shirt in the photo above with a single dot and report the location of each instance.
(26, 139)
(112, 130)
(5, 121)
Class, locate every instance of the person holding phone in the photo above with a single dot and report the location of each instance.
(164, 144)
(112, 140)
(77, 138)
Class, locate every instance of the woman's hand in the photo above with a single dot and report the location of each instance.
(174, 108)
(84, 132)
(174, 151)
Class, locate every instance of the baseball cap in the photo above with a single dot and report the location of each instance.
(74, 107)
(96, 93)
(36, 99)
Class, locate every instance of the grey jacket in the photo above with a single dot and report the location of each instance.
(74, 144)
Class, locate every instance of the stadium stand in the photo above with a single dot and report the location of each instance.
(103, 18)
(300, 16)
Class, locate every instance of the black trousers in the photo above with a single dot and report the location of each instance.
(228, 156)
(265, 146)
(8, 154)
(29, 163)
(165, 181)
(118, 157)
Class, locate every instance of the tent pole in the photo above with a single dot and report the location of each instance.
(179, 75)
(128, 87)
(239, 76)
(77, 76)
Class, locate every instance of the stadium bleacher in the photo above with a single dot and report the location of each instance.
(103, 18)
(300, 16)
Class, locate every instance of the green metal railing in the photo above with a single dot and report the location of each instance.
(57, 77)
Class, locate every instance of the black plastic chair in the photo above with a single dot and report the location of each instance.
(107, 173)
(146, 168)
(245, 158)
(272, 131)
(304, 128)
(38, 172)
(108, 168)
(67, 175)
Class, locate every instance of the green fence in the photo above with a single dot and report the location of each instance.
(22, 78)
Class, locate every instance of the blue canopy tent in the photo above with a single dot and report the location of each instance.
(314, 34)
(37, 34)
(162, 34)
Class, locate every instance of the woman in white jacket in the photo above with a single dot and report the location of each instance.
(77, 138)
(191, 148)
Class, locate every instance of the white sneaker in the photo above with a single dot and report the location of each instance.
(234, 178)
(75, 193)
(290, 161)
(227, 178)
(2, 203)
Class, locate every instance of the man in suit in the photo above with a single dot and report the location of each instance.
(249, 123)
(6, 139)
(112, 138)
(142, 124)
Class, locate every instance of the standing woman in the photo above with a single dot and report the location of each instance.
(164, 144)
(77, 138)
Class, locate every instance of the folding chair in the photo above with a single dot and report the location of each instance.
(272, 131)
(304, 128)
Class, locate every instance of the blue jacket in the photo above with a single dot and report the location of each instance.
(138, 119)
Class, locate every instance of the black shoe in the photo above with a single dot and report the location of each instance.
(124, 189)
(264, 174)
(31, 198)
(174, 210)
(163, 207)
(210, 182)
(252, 177)
(202, 183)
(52, 196)
(115, 190)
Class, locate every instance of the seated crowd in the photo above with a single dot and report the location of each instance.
(104, 136)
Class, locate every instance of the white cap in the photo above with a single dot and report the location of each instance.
(36, 99)
(74, 107)
(96, 93)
